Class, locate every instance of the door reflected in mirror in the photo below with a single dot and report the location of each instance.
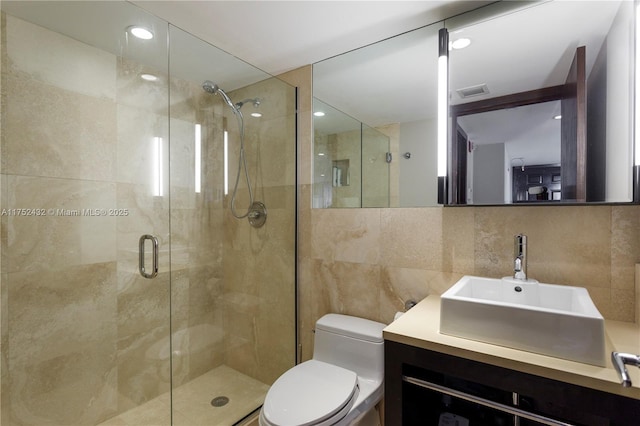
(541, 103)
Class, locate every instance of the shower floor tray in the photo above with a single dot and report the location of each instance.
(192, 402)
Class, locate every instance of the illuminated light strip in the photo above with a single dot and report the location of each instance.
(158, 182)
(637, 92)
(226, 162)
(198, 159)
(443, 95)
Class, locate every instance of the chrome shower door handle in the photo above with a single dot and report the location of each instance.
(141, 249)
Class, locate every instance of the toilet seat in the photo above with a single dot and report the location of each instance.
(311, 393)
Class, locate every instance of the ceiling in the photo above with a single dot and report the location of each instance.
(278, 36)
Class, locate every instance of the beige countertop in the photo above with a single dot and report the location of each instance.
(419, 327)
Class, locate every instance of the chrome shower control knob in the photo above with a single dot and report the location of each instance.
(257, 214)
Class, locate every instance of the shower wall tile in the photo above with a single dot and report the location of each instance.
(257, 287)
(270, 162)
(145, 215)
(54, 132)
(277, 164)
(276, 353)
(70, 376)
(143, 304)
(138, 133)
(59, 61)
(143, 365)
(135, 92)
(197, 326)
(190, 246)
(65, 235)
(183, 169)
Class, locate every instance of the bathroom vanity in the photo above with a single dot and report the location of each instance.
(437, 379)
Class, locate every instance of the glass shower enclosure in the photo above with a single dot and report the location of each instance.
(130, 294)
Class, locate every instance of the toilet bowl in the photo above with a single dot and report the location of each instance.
(339, 386)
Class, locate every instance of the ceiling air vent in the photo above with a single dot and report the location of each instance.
(468, 92)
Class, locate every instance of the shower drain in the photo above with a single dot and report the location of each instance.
(219, 401)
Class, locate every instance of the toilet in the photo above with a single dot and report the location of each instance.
(341, 384)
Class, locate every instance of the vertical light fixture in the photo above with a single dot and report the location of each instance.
(158, 183)
(636, 132)
(198, 159)
(226, 162)
(443, 113)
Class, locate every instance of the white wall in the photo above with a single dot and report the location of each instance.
(488, 174)
(418, 175)
(620, 105)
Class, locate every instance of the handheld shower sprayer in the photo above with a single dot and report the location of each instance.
(211, 87)
(257, 221)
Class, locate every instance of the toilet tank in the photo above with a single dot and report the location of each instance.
(352, 343)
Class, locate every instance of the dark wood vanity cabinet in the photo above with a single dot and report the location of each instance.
(409, 402)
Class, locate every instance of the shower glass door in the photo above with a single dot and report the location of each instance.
(233, 284)
(85, 133)
(92, 117)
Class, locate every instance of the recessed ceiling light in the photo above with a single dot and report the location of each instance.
(557, 117)
(460, 43)
(256, 114)
(148, 77)
(140, 32)
(321, 154)
(319, 114)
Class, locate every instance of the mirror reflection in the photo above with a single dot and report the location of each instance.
(541, 103)
(390, 89)
(514, 49)
(351, 167)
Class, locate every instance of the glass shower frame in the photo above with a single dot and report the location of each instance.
(93, 157)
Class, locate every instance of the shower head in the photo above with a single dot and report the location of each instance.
(211, 87)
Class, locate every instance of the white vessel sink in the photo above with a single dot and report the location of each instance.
(555, 320)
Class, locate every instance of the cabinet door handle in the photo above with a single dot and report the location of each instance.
(484, 402)
(154, 253)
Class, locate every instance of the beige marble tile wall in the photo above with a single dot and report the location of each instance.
(393, 132)
(80, 320)
(259, 263)
(375, 169)
(346, 146)
(197, 305)
(367, 262)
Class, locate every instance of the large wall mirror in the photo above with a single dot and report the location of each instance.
(512, 104)
(380, 114)
(541, 103)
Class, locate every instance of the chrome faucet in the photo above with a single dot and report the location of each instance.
(619, 360)
(520, 254)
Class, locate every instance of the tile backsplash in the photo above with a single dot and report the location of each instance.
(367, 262)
